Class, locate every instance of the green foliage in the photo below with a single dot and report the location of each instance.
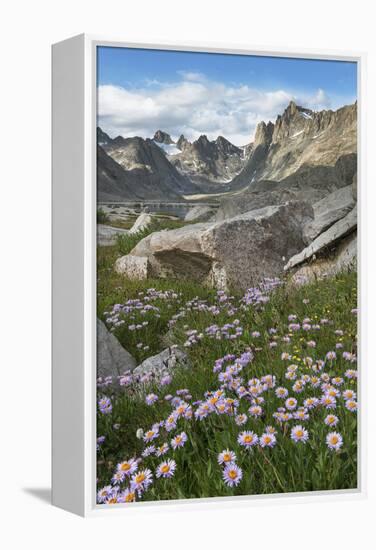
(113, 288)
(102, 217)
(287, 467)
(126, 242)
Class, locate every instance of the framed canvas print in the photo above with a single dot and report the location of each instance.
(206, 269)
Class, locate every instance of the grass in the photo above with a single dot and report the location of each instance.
(120, 223)
(113, 288)
(287, 467)
(102, 217)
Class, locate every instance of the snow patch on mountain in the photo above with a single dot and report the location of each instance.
(168, 149)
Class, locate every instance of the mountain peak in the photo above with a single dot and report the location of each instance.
(163, 137)
(294, 121)
(182, 142)
(301, 139)
(203, 139)
(102, 137)
(208, 161)
(226, 146)
(222, 141)
(264, 133)
(292, 107)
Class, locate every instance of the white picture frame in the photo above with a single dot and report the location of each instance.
(74, 276)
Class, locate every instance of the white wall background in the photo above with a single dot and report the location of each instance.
(27, 30)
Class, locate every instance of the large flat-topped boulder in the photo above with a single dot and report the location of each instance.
(133, 267)
(327, 211)
(337, 231)
(238, 252)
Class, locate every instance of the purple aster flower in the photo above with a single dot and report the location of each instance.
(179, 440)
(291, 403)
(151, 398)
(351, 405)
(232, 475)
(150, 435)
(165, 380)
(100, 441)
(128, 495)
(299, 434)
(247, 439)
(141, 480)
(104, 493)
(241, 419)
(331, 420)
(226, 457)
(334, 441)
(105, 405)
(149, 450)
(127, 467)
(267, 440)
(166, 469)
(162, 450)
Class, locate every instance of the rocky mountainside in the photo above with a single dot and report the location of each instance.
(187, 168)
(103, 139)
(135, 168)
(308, 183)
(299, 138)
(208, 162)
(202, 161)
(293, 206)
(162, 137)
(112, 183)
(304, 155)
(305, 151)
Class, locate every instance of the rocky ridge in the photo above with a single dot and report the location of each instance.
(300, 176)
(208, 162)
(134, 168)
(299, 137)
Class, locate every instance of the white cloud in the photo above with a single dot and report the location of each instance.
(195, 106)
(193, 76)
(320, 100)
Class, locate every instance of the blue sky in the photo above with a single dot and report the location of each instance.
(140, 91)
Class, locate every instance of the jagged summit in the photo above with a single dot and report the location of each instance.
(299, 137)
(226, 146)
(264, 133)
(103, 138)
(133, 168)
(163, 137)
(182, 142)
(294, 109)
(208, 162)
